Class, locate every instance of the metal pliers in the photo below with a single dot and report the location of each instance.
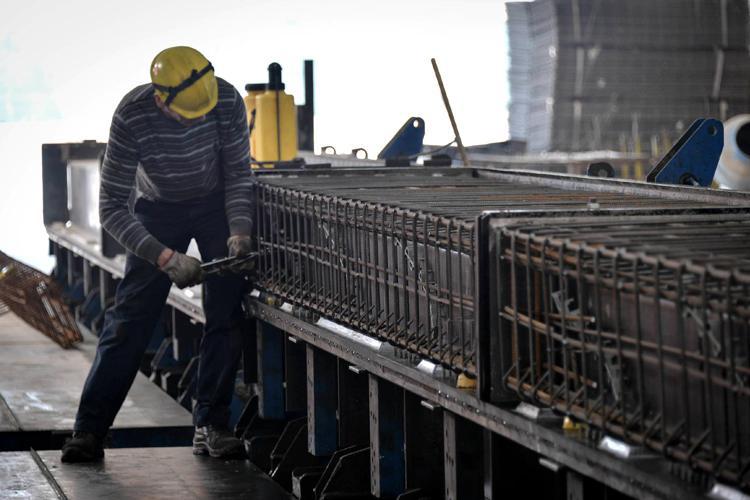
(235, 265)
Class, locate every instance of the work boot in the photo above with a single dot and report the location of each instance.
(82, 447)
(217, 442)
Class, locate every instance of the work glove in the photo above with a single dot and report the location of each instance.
(183, 270)
(239, 245)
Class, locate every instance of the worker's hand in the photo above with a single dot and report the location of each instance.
(239, 244)
(183, 270)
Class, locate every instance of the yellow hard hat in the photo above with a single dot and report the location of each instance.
(184, 79)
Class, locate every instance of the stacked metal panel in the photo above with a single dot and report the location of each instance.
(638, 326)
(519, 40)
(602, 74)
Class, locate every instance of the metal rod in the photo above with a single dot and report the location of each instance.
(459, 143)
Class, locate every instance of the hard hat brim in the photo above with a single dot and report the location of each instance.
(191, 114)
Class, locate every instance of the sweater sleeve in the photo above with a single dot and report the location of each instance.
(238, 177)
(117, 181)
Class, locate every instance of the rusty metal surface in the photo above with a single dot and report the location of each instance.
(638, 326)
(37, 299)
(393, 252)
(395, 274)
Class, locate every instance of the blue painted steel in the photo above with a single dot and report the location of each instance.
(407, 141)
(322, 402)
(271, 371)
(387, 462)
(694, 158)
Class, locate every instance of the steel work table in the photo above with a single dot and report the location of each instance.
(134, 473)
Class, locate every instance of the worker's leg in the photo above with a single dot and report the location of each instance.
(128, 327)
(221, 344)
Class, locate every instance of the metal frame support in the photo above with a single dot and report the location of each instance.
(423, 434)
(490, 463)
(482, 295)
(270, 371)
(462, 441)
(295, 375)
(249, 351)
(90, 277)
(387, 464)
(71, 268)
(353, 418)
(306, 112)
(321, 402)
(54, 184)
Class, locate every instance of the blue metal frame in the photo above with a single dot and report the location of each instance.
(694, 158)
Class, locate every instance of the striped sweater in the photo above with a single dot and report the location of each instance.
(152, 156)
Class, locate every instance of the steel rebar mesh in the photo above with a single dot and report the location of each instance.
(395, 274)
(391, 253)
(465, 193)
(37, 299)
(636, 326)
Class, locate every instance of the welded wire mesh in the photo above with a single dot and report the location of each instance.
(395, 274)
(638, 326)
(37, 299)
(392, 252)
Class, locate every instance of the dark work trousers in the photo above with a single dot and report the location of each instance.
(139, 300)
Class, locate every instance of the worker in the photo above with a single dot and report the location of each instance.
(176, 168)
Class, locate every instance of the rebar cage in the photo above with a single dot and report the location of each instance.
(392, 253)
(37, 299)
(635, 325)
(396, 274)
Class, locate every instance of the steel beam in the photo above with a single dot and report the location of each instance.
(295, 375)
(423, 435)
(387, 467)
(353, 416)
(321, 402)
(462, 442)
(638, 478)
(270, 371)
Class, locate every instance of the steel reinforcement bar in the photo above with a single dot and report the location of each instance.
(636, 325)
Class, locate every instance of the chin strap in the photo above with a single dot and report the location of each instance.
(173, 91)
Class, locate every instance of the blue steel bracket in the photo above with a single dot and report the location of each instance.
(694, 157)
(408, 140)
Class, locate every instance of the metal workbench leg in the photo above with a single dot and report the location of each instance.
(321, 402)
(353, 417)
(423, 431)
(295, 375)
(387, 466)
(462, 446)
(270, 371)
(107, 286)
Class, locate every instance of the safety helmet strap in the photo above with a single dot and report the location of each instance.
(187, 82)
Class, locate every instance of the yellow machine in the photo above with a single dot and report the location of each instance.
(253, 90)
(274, 136)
